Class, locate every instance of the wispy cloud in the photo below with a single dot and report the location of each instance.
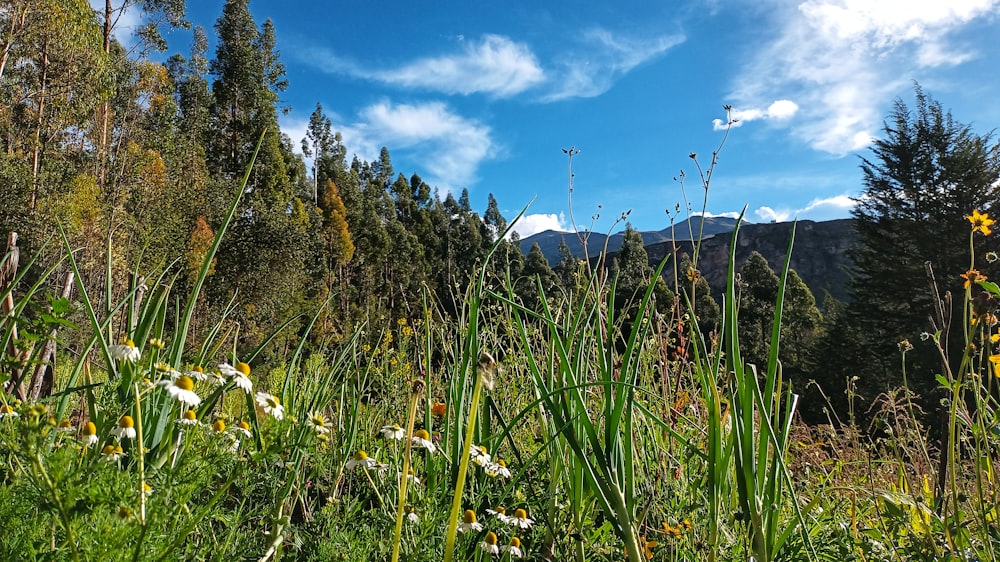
(493, 65)
(602, 59)
(449, 146)
(779, 110)
(540, 222)
(817, 209)
(842, 60)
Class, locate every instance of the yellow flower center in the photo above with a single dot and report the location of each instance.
(515, 542)
(469, 517)
(90, 429)
(520, 514)
(108, 450)
(361, 456)
(501, 463)
(7, 409)
(243, 425)
(64, 424)
(243, 368)
(422, 434)
(184, 382)
(219, 426)
(126, 422)
(198, 369)
(190, 415)
(491, 538)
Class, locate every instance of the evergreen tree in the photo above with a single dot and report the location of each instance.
(925, 174)
(757, 297)
(537, 273)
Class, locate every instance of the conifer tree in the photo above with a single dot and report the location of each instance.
(925, 175)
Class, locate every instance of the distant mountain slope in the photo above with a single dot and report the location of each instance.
(819, 254)
(549, 240)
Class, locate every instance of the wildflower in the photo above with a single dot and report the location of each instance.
(980, 222)
(219, 426)
(124, 512)
(487, 369)
(995, 338)
(112, 452)
(647, 548)
(7, 411)
(469, 522)
(972, 276)
(270, 404)
(489, 543)
(670, 531)
(157, 344)
(393, 432)
(125, 351)
(514, 548)
(318, 423)
(500, 513)
(423, 439)
(498, 468)
(239, 375)
(905, 346)
(182, 388)
(146, 490)
(361, 459)
(243, 427)
(992, 257)
(189, 418)
(88, 434)
(479, 455)
(686, 524)
(439, 409)
(64, 427)
(995, 359)
(520, 519)
(197, 373)
(125, 429)
(412, 517)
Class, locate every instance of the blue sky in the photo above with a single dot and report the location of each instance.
(486, 95)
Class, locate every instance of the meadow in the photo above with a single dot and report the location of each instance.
(576, 430)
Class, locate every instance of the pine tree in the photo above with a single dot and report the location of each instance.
(757, 297)
(925, 174)
(537, 274)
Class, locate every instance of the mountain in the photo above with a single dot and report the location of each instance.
(549, 240)
(819, 253)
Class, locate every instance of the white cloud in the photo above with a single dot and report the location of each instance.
(602, 59)
(828, 208)
(780, 110)
(727, 214)
(449, 145)
(495, 65)
(843, 60)
(528, 225)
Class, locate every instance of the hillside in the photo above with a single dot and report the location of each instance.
(819, 255)
(549, 240)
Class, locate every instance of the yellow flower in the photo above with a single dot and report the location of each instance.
(514, 548)
(995, 359)
(489, 543)
(972, 276)
(980, 222)
(439, 409)
(469, 522)
(125, 429)
(672, 532)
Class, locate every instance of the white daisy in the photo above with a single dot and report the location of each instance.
(514, 548)
(469, 522)
(423, 439)
(7, 411)
(271, 405)
(238, 374)
(125, 428)
(520, 519)
(243, 428)
(479, 455)
(412, 517)
(318, 423)
(189, 418)
(182, 389)
(88, 434)
(361, 459)
(489, 543)
(500, 513)
(125, 351)
(498, 468)
(112, 452)
(393, 432)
